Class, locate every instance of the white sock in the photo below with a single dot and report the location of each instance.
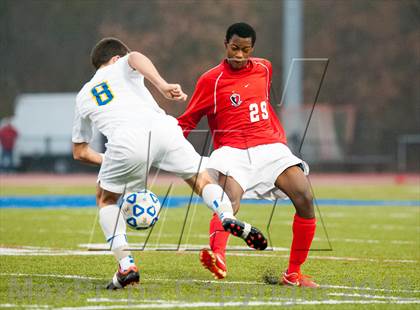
(108, 218)
(126, 262)
(218, 201)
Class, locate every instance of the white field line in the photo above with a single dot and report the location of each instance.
(372, 296)
(403, 242)
(387, 227)
(127, 300)
(205, 281)
(292, 302)
(160, 234)
(288, 301)
(129, 233)
(34, 251)
(62, 276)
(147, 279)
(202, 236)
(357, 288)
(373, 260)
(144, 279)
(369, 241)
(351, 259)
(400, 215)
(47, 252)
(400, 261)
(24, 306)
(324, 286)
(154, 246)
(86, 232)
(390, 227)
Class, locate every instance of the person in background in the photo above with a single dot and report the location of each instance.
(8, 137)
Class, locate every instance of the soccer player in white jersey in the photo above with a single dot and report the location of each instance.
(140, 134)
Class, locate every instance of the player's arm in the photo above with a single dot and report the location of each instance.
(81, 135)
(200, 104)
(144, 66)
(83, 152)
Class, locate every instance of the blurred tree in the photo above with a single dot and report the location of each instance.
(373, 47)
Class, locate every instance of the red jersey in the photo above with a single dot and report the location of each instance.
(237, 106)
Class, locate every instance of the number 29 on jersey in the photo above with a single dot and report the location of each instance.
(257, 112)
(102, 93)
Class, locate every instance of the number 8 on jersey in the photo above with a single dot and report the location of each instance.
(102, 93)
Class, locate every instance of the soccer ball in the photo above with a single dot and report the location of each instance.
(140, 209)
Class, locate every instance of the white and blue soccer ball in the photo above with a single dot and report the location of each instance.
(140, 209)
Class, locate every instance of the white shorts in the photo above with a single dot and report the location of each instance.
(255, 169)
(127, 153)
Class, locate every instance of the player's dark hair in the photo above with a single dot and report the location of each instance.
(242, 30)
(105, 49)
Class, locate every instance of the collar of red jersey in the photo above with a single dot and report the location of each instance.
(247, 68)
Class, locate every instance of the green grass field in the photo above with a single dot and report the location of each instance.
(373, 262)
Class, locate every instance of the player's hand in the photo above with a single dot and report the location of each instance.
(173, 92)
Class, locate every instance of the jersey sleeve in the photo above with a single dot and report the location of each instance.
(82, 128)
(199, 105)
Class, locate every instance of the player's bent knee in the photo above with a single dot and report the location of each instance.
(205, 178)
(304, 200)
(201, 180)
(107, 198)
(308, 197)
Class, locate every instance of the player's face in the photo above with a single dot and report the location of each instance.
(238, 50)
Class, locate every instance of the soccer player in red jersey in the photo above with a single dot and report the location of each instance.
(251, 157)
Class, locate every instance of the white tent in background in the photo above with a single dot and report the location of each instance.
(44, 122)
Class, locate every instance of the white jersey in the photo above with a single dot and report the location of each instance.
(116, 96)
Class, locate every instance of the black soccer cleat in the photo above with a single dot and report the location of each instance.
(123, 278)
(251, 235)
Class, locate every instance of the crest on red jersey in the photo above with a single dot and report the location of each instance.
(235, 99)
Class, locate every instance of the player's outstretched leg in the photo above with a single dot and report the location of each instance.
(251, 235)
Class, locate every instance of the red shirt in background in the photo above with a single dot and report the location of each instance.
(8, 136)
(237, 106)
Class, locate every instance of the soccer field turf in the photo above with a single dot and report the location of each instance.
(372, 262)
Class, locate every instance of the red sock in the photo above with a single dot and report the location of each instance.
(303, 233)
(218, 236)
